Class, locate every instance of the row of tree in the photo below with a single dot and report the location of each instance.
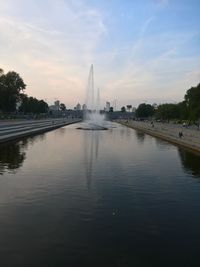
(12, 95)
(32, 105)
(188, 109)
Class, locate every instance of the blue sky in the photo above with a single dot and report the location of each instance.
(142, 51)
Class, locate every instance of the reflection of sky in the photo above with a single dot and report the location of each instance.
(67, 154)
(85, 191)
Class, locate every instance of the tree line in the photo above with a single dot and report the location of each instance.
(12, 96)
(188, 109)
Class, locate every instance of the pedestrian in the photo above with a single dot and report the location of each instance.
(180, 134)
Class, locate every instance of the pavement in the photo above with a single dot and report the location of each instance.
(168, 131)
(14, 129)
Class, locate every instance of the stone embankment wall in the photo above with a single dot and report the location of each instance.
(168, 131)
(11, 130)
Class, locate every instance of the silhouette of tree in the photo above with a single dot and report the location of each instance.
(62, 107)
(11, 85)
(32, 105)
(192, 98)
(123, 109)
(168, 111)
(129, 107)
(144, 110)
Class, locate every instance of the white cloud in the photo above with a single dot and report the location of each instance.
(53, 43)
(55, 48)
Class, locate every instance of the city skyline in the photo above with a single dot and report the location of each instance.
(142, 51)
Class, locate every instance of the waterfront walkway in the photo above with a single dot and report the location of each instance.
(14, 129)
(190, 137)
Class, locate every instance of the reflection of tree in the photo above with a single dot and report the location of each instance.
(162, 143)
(190, 162)
(140, 136)
(12, 155)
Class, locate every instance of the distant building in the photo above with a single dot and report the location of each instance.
(84, 107)
(56, 106)
(57, 103)
(155, 106)
(78, 107)
(107, 106)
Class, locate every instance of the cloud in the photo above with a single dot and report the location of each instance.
(52, 44)
(58, 47)
(161, 3)
(160, 73)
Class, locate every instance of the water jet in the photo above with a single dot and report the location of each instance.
(93, 119)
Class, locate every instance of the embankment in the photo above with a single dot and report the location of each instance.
(170, 132)
(11, 130)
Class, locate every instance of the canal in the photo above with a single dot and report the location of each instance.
(118, 197)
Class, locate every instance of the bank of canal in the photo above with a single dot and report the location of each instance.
(12, 130)
(189, 138)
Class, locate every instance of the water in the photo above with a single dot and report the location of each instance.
(94, 120)
(98, 198)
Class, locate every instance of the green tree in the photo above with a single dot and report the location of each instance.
(11, 85)
(192, 99)
(33, 105)
(123, 109)
(129, 107)
(183, 110)
(144, 110)
(111, 109)
(62, 107)
(168, 111)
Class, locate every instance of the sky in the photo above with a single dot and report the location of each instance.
(142, 50)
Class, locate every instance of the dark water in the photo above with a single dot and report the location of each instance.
(106, 198)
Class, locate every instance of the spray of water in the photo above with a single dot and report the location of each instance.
(93, 119)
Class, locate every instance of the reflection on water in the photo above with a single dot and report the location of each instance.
(13, 154)
(91, 147)
(98, 198)
(190, 162)
(140, 136)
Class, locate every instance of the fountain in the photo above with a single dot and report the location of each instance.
(93, 119)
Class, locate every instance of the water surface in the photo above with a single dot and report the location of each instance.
(98, 198)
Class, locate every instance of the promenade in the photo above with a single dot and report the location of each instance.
(168, 131)
(14, 129)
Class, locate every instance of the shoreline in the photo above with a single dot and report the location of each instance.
(10, 131)
(168, 132)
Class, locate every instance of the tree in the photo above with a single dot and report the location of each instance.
(123, 109)
(33, 105)
(62, 107)
(183, 110)
(129, 107)
(168, 111)
(11, 85)
(192, 99)
(111, 109)
(144, 110)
